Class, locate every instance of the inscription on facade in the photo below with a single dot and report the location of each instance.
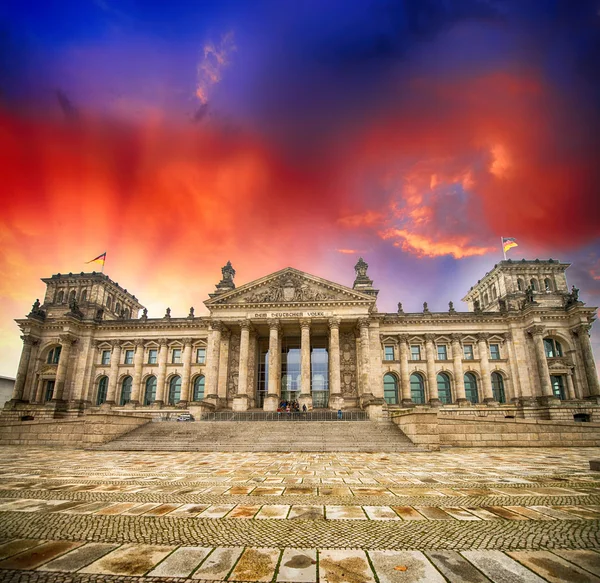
(292, 314)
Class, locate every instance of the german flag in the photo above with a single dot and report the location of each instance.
(507, 243)
(101, 259)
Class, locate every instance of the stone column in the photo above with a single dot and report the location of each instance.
(185, 377)
(375, 358)
(113, 375)
(39, 390)
(163, 353)
(66, 341)
(30, 380)
(223, 367)
(212, 363)
(28, 344)
(570, 388)
(336, 400)
(547, 397)
(273, 389)
(138, 361)
(365, 389)
(591, 374)
(240, 401)
(514, 371)
(486, 375)
(404, 376)
(305, 397)
(434, 399)
(459, 375)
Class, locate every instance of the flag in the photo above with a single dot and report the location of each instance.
(100, 259)
(508, 243)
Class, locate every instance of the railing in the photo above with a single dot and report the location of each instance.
(297, 416)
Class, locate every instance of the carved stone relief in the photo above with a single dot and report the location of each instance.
(234, 366)
(348, 364)
(288, 289)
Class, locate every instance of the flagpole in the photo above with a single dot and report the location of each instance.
(105, 262)
(502, 245)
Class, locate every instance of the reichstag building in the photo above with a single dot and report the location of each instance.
(292, 337)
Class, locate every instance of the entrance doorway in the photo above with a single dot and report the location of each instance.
(319, 373)
(290, 369)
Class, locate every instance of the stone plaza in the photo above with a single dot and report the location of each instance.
(471, 515)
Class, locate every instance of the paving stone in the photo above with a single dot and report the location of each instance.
(344, 513)
(189, 510)
(552, 567)
(380, 513)
(500, 568)
(344, 566)
(455, 567)
(298, 566)
(278, 511)
(588, 560)
(300, 512)
(14, 547)
(404, 566)
(528, 513)
(141, 509)
(244, 511)
(256, 565)
(218, 564)
(162, 510)
(181, 562)
(217, 511)
(408, 513)
(433, 513)
(79, 558)
(116, 508)
(129, 559)
(580, 511)
(38, 555)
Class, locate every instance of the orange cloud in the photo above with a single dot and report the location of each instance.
(210, 68)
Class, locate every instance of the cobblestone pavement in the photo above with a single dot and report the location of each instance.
(456, 515)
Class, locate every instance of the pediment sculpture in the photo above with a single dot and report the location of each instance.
(288, 290)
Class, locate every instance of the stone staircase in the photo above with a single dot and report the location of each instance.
(315, 436)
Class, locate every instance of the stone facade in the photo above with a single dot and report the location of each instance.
(291, 336)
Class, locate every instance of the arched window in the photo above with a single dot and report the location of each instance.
(127, 314)
(534, 284)
(72, 295)
(417, 389)
(485, 298)
(553, 348)
(54, 355)
(117, 308)
(494, 293)
(109, 302)
(471, 388)
(520, 284)
(49, 392)
(174, 390)
(150, 392)
(60, 298)
(102, 390)
(547, 285)
(84, 295)
(443, 385)
(126, 390)
(390, 389)
(199, 388)
(498, 387)
(558, 386)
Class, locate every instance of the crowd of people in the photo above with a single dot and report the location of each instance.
(290, 407)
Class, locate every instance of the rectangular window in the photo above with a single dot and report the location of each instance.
(415, 353)
(176, 356)
(201, 355)
(494, 351)
(388, 352)
(106, 357)
(442, 352)
(152, 356)
(468, 349)
(129, 357)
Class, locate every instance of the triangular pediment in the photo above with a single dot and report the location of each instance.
(290, 287)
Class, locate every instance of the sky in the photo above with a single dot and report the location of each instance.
(177, 135)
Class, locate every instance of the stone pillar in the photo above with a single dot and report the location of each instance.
(113, 375)
(404, 376)
(28, 344)
(459, 374)
(375, 368)
(305, 397)
(547, 397)
(273, 388)
(223, 367)
(434, 399)
(570, 388)
(589, 365)
(163, 353)
(486, 375)
(66, 341)
(212, 363)
(138, 361)
(240, 401)
(336, 400)
(185, 377)
(364, 377)
(514, 371)
(38, 390)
